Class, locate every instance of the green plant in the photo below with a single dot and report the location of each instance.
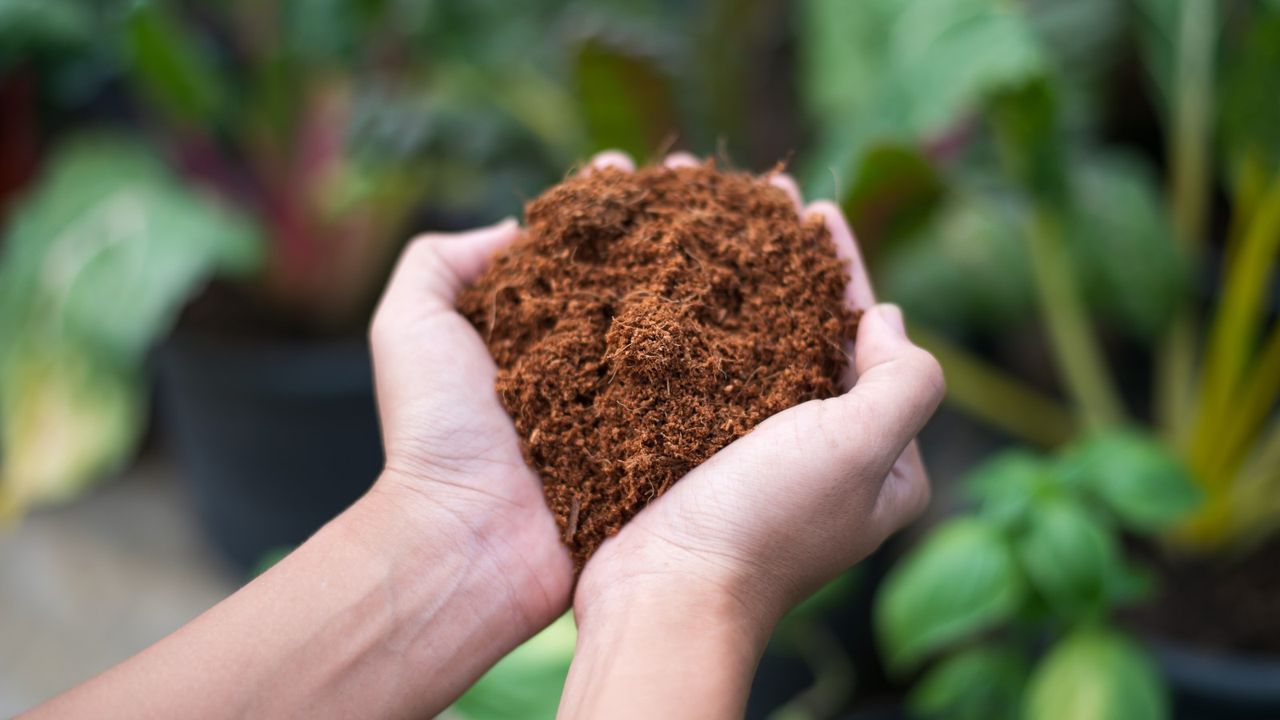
(1000, 204)
(1036, 571)
(92, 272)
(313, 129)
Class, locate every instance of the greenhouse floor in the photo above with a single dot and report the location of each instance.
(86, 585)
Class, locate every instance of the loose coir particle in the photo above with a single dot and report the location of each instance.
(646, 320)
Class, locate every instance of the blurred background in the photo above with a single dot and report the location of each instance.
(1077, 204)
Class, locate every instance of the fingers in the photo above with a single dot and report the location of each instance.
(858, 294)
(681, 160)
(615, 159)
(904, 495)
(899, 384)
(435, 266)
(787, 184)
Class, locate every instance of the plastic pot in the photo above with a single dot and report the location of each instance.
(273, 438)
(1217, 685)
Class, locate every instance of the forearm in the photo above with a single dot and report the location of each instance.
(668, 653)
(380, 614)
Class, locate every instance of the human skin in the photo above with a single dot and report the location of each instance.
(396, 606)
(674, 611)
(400, 603)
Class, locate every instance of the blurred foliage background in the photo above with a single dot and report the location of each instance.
(1078, 205)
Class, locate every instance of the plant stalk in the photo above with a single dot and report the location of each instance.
(1191, 120)
(996, 397)
(1233, 338)
(1075, 347)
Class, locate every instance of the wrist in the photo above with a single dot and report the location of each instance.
(663, 646)
(506, 553)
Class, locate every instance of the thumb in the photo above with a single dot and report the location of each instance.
(436, 266)
(899, 384)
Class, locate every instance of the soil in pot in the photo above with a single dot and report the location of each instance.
(1222, 603)
(647, 319)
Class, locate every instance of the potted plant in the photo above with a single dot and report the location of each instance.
(1040, 218)
(288, 155)
(1020, 596)
(305, 144)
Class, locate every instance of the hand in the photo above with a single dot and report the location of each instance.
(705, 571)
(404, 600)
(452, 453)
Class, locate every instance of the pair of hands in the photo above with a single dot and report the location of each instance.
(752, 531)
(452, 559)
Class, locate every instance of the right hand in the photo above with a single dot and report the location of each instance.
(802, 497)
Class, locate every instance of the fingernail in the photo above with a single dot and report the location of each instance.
(892, 315)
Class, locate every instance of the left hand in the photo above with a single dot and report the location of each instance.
(452, 453)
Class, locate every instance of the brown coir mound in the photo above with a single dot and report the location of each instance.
(645, 321)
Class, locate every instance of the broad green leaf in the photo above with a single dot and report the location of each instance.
(526, 684)
(1250, 112)
(1119, 224)
(625, 99)
(977, 683)
(1008, 485)
(967, 267)
(320, 31)
(34, 25)
(64, 420)
(1070, 557)
(842, 53)
(1096, 674)
(173, 66)
(904, 70)
(1134, 476)
(894, 192)
(109, 246)
(961, 580)
(949, 54)
(1029, 134)
(1083, 40)
(97, 263)
(1157, 26)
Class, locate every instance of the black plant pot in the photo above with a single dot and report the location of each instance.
(1215, 685)
(273, 438)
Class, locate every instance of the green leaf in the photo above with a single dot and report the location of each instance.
(97, 263)
(895, 189)
(110, 245)
(1157, 23)
(41, 25)
(526, 684)
(961, 580)
(1250, 114)
(843, 49)
(1096, 675)
(978, 683)
(625, 99)
(1134, 476)
(1028, 128)
(1119, 224)
(904, 70)
(65, 420)
(1008, 485)
(1070, 558)
(967, 267)
(173, 66)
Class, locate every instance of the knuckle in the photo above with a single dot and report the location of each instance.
(920, 495)
(929, 375)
